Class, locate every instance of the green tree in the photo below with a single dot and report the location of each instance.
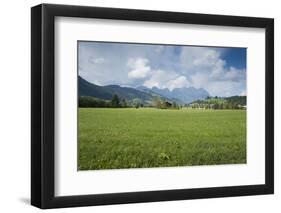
(123, 103)
(157, 102)
(115, 101)
(216, 106)
(138, 105)
(87, 101)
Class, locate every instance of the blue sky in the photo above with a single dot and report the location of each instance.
(220, 71)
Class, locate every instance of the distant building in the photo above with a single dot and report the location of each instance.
(242, 107)
(168, 104)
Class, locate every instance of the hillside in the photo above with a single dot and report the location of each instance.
(143, 94)
(106, 92)
(86, 88)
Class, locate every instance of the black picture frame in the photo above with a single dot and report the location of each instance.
(43, 117)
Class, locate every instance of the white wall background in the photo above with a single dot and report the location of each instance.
(15, 106)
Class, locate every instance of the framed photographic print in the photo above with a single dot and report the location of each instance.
(139, 106)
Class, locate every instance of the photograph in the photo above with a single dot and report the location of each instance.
(170, 105)
(160, 105)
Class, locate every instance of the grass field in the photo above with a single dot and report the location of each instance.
(142, 138)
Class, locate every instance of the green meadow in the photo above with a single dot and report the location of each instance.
(148, 137)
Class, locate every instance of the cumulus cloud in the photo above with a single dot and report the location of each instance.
(159, 78)
(179, 82)
(166, 79)
(234, 74)
(162, 66)
(199, 80)
(139, 68)
(195, 58)
(208, 70)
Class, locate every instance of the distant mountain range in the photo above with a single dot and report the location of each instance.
(106, 92)
(178, 95)
(184, 95)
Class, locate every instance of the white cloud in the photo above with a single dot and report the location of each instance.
(208, 70)
(194, 58)
(234, 74)
(139, 68)
(179, 82)
(151, 83)
(158, 78)
(161, 66)
(166, 79)
(199, 80)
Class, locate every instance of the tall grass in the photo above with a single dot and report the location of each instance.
(142, 138)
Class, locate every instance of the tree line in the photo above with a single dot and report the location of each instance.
(234, 102)
(117, 102)
(88, 101)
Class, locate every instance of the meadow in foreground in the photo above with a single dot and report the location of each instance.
(149, 137)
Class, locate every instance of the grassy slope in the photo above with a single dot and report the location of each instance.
(138, 138)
